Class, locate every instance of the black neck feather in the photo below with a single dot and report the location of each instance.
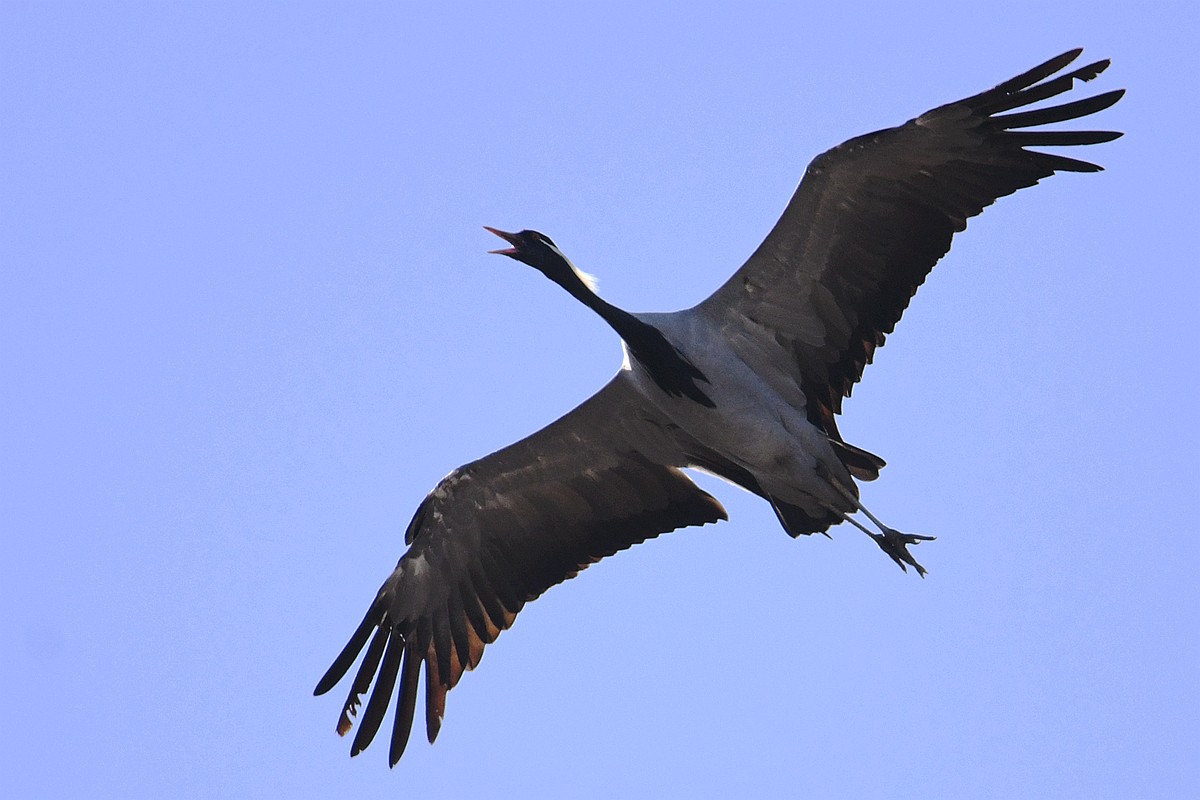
(671, 370)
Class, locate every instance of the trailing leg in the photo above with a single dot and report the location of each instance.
(890, 540)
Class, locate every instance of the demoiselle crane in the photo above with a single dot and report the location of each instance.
(747, 385)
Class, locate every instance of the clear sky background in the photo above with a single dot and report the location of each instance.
(247, 321)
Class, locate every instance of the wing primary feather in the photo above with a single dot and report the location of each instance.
(435, 705)
(406, 703)
(1090, 71)
(1051, 88)
(1043, 70)
(362, 681)
(380, 695)
(341, 664)
(1059, 138)
(1060, 113)
(1057, 163)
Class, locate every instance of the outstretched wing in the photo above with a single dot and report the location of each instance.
(498, 532)
(872, 216)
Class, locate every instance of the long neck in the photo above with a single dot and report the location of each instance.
(668, 367)
(631, 329)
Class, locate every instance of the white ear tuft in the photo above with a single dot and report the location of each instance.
(588, 279)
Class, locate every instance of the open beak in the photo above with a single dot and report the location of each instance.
(511, 238)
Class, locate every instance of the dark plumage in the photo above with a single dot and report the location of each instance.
(747, 385)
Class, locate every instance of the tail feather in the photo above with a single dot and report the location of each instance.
(797, 522)
(860, 463)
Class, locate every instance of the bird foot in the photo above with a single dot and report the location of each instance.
(895, 544)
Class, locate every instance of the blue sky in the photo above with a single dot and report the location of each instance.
(247, 321)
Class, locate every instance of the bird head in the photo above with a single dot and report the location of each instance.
(540, 252)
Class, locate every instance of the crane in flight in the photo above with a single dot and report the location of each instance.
(747, 385)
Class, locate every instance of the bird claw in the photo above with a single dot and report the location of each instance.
(895, 544)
